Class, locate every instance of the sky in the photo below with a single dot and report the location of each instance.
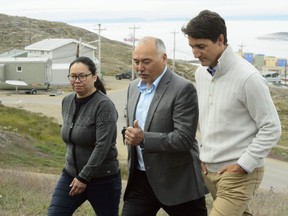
(70, 11)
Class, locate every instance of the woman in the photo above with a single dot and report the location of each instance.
(91, 170)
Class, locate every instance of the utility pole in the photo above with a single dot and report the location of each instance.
(241, 49)
(174, 48)
(99, 51)
(78, 48)
(133, 46)
(30, 33)
(285, 70)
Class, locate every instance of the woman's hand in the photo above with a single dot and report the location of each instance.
(77, 187)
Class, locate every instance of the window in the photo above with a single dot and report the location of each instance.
(18, 69)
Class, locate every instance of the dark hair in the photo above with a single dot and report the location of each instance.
(206, 25)
(92, 68)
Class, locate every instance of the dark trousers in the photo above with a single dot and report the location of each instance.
(140, 200)
(103, 194)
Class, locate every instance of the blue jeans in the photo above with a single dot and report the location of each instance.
(103, 194)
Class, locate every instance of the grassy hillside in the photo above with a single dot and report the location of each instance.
(30, 141)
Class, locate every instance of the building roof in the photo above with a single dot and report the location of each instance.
(54, 43)
(13, 53)
(24, 59)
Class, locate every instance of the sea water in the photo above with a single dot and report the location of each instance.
(241, 35)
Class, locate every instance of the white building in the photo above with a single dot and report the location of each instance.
(62, 52)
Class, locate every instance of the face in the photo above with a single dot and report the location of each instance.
(86, 87)
(148, 63)
(206, 50)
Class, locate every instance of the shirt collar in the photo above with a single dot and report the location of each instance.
(212, 70)
(142, 86)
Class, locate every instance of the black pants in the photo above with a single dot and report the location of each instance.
(103, 195)
(141, 201)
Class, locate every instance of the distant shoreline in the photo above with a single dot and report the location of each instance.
(281, 36)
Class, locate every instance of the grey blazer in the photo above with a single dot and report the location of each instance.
(170, 149)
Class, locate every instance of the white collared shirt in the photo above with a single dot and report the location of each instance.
(142, 110)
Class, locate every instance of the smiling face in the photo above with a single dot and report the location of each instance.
(86, 87)
(149, 62)
(206, 50)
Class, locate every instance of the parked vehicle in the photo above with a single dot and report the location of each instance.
(125, 75)
(272, 77)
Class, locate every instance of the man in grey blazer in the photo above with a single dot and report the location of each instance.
(162, 117)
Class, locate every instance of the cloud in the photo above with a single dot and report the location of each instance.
(66, 10)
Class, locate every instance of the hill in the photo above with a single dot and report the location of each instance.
(17, 32)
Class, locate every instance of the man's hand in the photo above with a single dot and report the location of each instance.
(77, 187)
(204, 169)
(134, 135)
(233, 168)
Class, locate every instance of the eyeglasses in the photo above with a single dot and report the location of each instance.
(81, 77)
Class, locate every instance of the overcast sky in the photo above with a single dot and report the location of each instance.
(68, 10)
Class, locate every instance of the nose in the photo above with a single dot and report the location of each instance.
(139, 67)
(77, 79)
(196, 53)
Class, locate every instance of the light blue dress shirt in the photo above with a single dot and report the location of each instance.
(142, 110)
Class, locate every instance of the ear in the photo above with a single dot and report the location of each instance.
(95, 77)
(220, 40)
(164, 56)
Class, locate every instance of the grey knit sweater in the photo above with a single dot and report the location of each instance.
(89, 132)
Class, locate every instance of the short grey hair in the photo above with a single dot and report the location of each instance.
(159, 44)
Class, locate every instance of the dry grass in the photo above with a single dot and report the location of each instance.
(27, 193)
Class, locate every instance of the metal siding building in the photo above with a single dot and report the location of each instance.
(281, 62)
(259, 60)
(33, 71)
(62, 52)
(270, 61)
(248, 57)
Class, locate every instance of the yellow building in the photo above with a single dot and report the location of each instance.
(270, 61)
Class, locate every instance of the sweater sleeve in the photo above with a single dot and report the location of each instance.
(257, 99)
